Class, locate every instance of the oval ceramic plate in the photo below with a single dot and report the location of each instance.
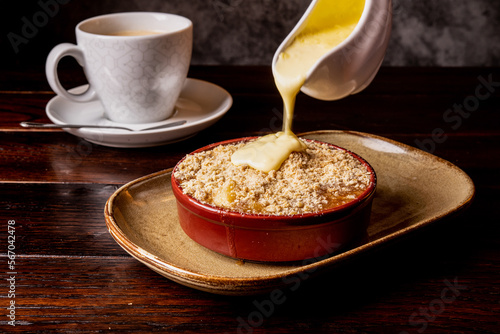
(414, 189)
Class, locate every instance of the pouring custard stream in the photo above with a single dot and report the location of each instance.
(329, 23)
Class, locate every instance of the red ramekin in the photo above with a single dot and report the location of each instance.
(277, 238)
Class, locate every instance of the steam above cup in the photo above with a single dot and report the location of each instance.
(349, 67)
(136, 63)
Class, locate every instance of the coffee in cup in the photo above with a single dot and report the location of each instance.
(136, 63)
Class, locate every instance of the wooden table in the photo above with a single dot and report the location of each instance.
(70, 275)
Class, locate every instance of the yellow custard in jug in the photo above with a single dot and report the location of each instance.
(329, 23)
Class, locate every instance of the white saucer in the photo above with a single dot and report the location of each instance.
(200, 103)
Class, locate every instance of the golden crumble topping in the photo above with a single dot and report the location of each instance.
(316, 179)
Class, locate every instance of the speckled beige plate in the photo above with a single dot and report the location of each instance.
(414, 189)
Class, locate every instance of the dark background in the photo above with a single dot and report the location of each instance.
(247, 32)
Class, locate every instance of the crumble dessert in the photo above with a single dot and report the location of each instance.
(318, 178)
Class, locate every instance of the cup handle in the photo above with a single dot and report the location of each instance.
(57, 53)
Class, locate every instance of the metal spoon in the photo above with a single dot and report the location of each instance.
(66, 126)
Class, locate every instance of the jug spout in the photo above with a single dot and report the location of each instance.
(350, 66)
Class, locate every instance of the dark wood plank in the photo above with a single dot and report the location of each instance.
(72, 276)
(58, 219)
(61, 157)
(377, 293)
(67, 219)
(381, 109)
(22, 107)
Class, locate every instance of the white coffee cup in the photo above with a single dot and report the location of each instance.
(137, 78)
